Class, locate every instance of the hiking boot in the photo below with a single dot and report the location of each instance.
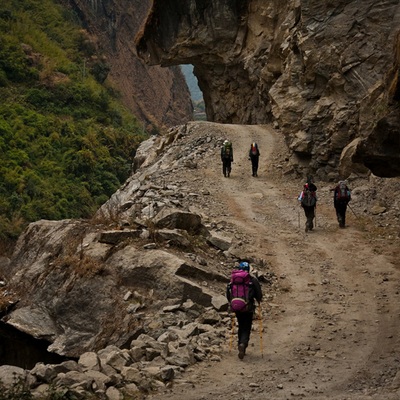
(242, 350)
(306, 227)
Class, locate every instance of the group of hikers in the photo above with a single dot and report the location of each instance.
(308, 196)
(308, 201)
(227, 158)
(244, 288)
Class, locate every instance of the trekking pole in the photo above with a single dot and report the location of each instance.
(232, 330)
(315, 215)
(298, 217)
(348, 205)
(260, 325)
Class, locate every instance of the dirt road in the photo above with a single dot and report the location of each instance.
(332, 332)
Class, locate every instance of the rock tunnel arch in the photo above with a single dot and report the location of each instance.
(306, 66)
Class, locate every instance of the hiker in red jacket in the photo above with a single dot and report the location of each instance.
(244, 314)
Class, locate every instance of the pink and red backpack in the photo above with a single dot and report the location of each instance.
(239, 290)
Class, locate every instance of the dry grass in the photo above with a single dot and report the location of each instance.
(74, 258)
(82, 267)
(151, 226)
(110, 219)
(6, 299)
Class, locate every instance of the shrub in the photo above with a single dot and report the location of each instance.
(18, 390)
(66, 142)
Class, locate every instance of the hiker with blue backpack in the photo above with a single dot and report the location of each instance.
(242, 291)
(226, 158)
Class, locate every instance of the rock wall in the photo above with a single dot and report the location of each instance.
(319, 70)
(380, 148)
(158, 96)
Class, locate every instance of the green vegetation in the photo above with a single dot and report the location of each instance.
(199, 110)
(66, 142)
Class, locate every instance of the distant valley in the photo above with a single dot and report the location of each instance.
(191, 81)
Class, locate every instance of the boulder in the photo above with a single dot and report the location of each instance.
(219, 240)
(9, 374)
(177, 219)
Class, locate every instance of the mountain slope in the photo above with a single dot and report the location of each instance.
(67, 134)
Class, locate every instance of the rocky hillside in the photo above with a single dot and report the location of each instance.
(326, 73)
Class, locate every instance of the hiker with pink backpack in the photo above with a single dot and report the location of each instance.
(241, 292)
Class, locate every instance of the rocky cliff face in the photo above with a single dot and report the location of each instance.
(158, 96)
(320, 70)
(380, 149)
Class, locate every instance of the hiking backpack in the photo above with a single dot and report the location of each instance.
(342, 192)
(227, 149)
(254, 149)
(239, 288)
(309, 199)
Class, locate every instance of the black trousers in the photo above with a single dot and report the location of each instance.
(310, 215)
(341, 208)
(254, 165)
(226, 166)
(245, 322)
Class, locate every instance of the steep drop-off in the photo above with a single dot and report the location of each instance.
(320, 70)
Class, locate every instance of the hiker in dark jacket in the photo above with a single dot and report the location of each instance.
(341, 197)
(245, 318)
(254, 155)
(308, 201)
(226, 158)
